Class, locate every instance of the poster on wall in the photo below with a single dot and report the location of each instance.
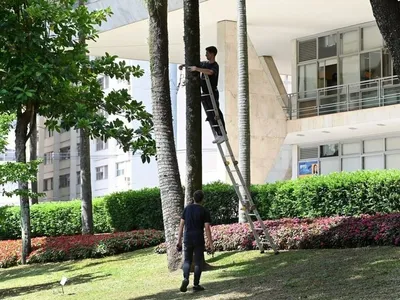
(308, 168)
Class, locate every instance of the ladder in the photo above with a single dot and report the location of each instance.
(241, 189)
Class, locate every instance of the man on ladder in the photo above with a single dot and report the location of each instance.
(210, 68)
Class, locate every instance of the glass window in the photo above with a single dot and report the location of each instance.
(393, 161)
(102, 173)
(371, 38)
(350, 69)
(65, 153)
(120, 169)
(327, 73)
(373, 146)
(387, 64)
(350, 164)
(392, 143)
(100, 144)
(307, 79)
(327, 46)
(64, 181)
(370, 64)
(373, 162)
(353, 148)
(307, 108)
(330, 165)
(350, 42)
(329, 150)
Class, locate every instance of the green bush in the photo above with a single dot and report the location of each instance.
(343, 194)
(52, 219)
(134, 209)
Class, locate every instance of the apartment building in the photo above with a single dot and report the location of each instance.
(8, 156)
(111, 169)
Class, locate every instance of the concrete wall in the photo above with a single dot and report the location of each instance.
(268, 121)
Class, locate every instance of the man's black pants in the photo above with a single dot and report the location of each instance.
(198, 250)
(207, 103)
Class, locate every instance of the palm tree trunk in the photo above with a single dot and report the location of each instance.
(33, 156)
(167, 163)
(243, 100)
(387, 16)
(194, 168)
(86, 205)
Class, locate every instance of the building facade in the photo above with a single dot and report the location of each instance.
(348, 94)
(112, 170)
(324, 96)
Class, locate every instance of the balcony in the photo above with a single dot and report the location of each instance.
(343, 98)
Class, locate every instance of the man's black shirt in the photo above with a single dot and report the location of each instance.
(213, 78)
(195, 215)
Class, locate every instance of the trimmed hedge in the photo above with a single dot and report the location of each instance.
(343, 194)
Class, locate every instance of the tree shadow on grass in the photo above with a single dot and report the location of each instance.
(365, 273)
(33, 270)
(55, 286)
(48, 268)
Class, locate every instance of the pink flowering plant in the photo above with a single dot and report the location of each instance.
(295, 233)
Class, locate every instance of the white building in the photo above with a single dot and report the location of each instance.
(344, 114)
(8, 156)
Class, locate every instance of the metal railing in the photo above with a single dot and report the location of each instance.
(341, 98)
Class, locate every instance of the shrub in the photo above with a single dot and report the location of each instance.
(333, 232)
(338, 194)
(52, 219)
(134, 209)
(53, 249)
(347, 194)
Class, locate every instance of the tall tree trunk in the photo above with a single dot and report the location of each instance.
(167, 163)
(194, 167)
(86, 205)
(33, 156)
(243, 99)
(21, 132)
(387, 16)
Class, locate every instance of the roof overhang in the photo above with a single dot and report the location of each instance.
(272, 25)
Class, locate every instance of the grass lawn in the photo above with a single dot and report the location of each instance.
(364, 273)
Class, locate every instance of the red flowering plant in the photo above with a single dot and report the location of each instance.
(332, 232)
(52, 249)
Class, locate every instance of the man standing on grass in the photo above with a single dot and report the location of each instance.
(210, 68)
(194, 218)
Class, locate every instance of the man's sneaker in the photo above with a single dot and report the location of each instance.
(184, 285)
(219, 140)
(198, 288)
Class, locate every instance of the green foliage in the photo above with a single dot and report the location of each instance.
(52, 219)
(135, 209)
(12, 171)
(344, 194)
(222, 202)
(46, 71)
(362, 192)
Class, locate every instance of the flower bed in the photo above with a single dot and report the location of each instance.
(52, 249)
(334, 232)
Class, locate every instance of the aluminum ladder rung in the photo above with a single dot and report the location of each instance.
(241, 190)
